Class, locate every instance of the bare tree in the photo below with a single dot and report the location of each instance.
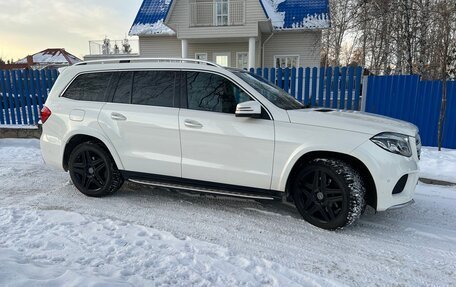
(343, 14)
(398, 36)
(445, 15)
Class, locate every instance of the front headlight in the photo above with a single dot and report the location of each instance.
(393, 142)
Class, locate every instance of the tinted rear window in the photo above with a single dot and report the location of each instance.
(154, 88)
(89, 87)
(123, 89)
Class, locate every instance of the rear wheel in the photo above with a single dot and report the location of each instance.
(328, 193)
(93, 171)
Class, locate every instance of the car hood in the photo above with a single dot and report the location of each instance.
(351, 121)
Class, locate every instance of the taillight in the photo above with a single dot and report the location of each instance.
(45, 114)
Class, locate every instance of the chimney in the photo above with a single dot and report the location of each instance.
(29, 61)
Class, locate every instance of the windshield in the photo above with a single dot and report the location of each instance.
(274, 94)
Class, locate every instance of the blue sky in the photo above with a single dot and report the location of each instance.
(28, 26)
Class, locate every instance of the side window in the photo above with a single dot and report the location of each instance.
(210, 92)
(89, 87)
(154, 88)
(122, 93)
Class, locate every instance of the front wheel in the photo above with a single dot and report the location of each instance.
(93, 171)
(329, 193)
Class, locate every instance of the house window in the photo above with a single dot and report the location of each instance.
(221, 12)
(223, 59)
(286, 61)
(242, 60)
(201, 56)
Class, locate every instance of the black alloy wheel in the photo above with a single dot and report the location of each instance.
(328, 194)
(93, 171)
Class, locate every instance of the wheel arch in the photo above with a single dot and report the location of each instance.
(78, 138)
(371, 191)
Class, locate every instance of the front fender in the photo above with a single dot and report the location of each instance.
(292, 146)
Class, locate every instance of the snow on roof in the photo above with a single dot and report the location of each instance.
(284, 15)
(150, 18)
(52, 56)
(297, 14)
(157, 28)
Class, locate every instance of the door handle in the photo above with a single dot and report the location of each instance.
(118, 117)
(192, 124)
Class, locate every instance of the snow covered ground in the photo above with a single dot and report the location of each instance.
(53, 235)
(438, 165)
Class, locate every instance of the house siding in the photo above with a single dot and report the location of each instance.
(232, 48)
(307, 45)
(179, 20)
(171, 47)
(160, 46)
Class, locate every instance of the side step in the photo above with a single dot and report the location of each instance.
(203, 190)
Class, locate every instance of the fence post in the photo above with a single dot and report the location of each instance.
(2, 120)
(272, 78)
(328, 87)
(321, 86)
(293, 82)
(12, 108)
(280, 77)
(6, 105)
(364, 94)
(265, 73)
(16, 93)
(314, 87)
(336, 87)
(307, 85)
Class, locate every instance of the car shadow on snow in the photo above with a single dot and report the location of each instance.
(136, 196)
(264, 207)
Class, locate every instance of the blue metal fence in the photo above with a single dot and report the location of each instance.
(338, 87)
(22, 95)
(410, 99)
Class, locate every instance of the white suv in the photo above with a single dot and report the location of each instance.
(196, 126)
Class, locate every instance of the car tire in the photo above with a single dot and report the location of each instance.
(328, 193)
(93, 171)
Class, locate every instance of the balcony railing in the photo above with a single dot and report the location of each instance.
(109, 47)
(217, 13)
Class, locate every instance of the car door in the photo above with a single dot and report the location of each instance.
(217, 146)
(142, 122)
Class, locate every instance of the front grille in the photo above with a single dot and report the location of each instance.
(418, 145)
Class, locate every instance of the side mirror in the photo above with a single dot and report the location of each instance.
(250, 109)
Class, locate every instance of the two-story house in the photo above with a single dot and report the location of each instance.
(236, 33)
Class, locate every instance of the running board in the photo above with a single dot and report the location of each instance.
(200, 189)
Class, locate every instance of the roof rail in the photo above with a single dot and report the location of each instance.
(144, 60)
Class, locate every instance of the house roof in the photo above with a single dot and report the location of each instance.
(284, 14)
(297, 14)
(51, 56)
(150, 18)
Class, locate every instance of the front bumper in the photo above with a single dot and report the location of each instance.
(402, 205)
(387, 169)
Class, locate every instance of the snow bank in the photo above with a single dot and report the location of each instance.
(53, 235)
(438, 165)
(157, 28)
(55, 247)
